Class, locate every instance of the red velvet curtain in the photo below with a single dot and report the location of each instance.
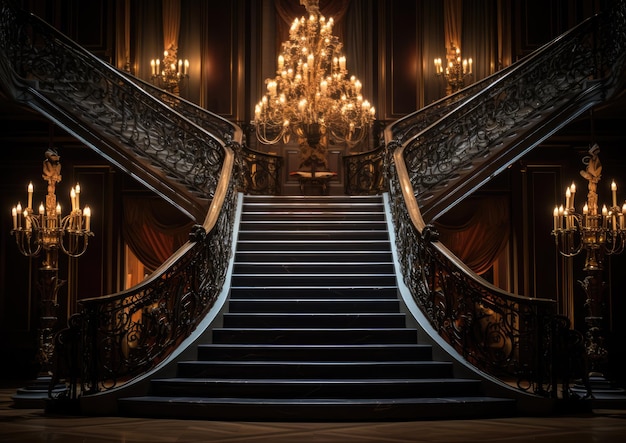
(153, 229)
(477, 230)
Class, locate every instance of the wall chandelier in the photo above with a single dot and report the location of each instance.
(456, 71)
(170, 72)
(312, 96)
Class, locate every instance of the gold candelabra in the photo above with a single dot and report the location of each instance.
(170, 72)
(456, 71)
(45, 233)
(312, 95)
(599, 233)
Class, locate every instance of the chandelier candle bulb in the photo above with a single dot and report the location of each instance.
(572, 190)
(73, 198)
(77, 190)
(30, 195)
(14, 215)
(556, 217)
(614, 192)
(87, 214)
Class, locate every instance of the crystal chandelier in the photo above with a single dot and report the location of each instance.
(312, 95)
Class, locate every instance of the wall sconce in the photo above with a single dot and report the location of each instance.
(456, 71)
(169, 73)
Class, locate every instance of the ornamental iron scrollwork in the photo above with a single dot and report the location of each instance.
(120, 336)
(145, 131)
(445, 151)
(458, 143)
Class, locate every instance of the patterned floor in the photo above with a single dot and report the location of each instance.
(32, 425)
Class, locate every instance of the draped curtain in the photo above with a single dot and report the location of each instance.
(477, 231)
(171, 25)
(452, 24)
(153, 229)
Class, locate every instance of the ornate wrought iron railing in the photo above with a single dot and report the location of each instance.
(364, 173)
(259, 172)
(141, 135)
(123, 335)
(484, 133)
(509, 336)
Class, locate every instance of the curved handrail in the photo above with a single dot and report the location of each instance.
(504, 334)
(111, 114)
(126, 334)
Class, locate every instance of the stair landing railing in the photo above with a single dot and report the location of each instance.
(437, 162)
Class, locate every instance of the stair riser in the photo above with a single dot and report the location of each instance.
(314, 337)
(269, 236)
(331, 411)
(290, 280)
(317, 389)
(304, 354)
(313, 268)
(296, 256)
(314, 321)
(237, 293)
(313, 306)
(305, 370)
(311, 225)
(304, 217)
(318, 246)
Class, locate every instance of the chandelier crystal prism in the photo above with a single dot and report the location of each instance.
(312, 95)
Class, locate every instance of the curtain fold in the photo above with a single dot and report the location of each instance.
(153, 229)
(452, 24)
(477, 231)
(171, 26)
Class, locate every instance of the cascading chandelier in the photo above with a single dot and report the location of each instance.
(312, 95)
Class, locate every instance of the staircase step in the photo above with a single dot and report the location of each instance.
(307, 225)
(306, 245)
(317, 336)
(315, 369)
(302, 216)
(315, 292)
(323, 280)
(313, 306)
(344, 353)
(324, 234)
(315, 320)
(315, 388)
(280, 268)
(333, 410)
(307, 256)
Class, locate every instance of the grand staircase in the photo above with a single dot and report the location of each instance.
(314, 329)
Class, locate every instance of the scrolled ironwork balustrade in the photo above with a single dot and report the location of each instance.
(120, 336)
(151, 131)
(469, 138)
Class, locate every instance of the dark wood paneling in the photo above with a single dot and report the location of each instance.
(403, 59)
(219, 58)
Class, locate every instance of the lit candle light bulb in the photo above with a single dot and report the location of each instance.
(87, 218)
(77, 190)
(614, 192)
(30, 195)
